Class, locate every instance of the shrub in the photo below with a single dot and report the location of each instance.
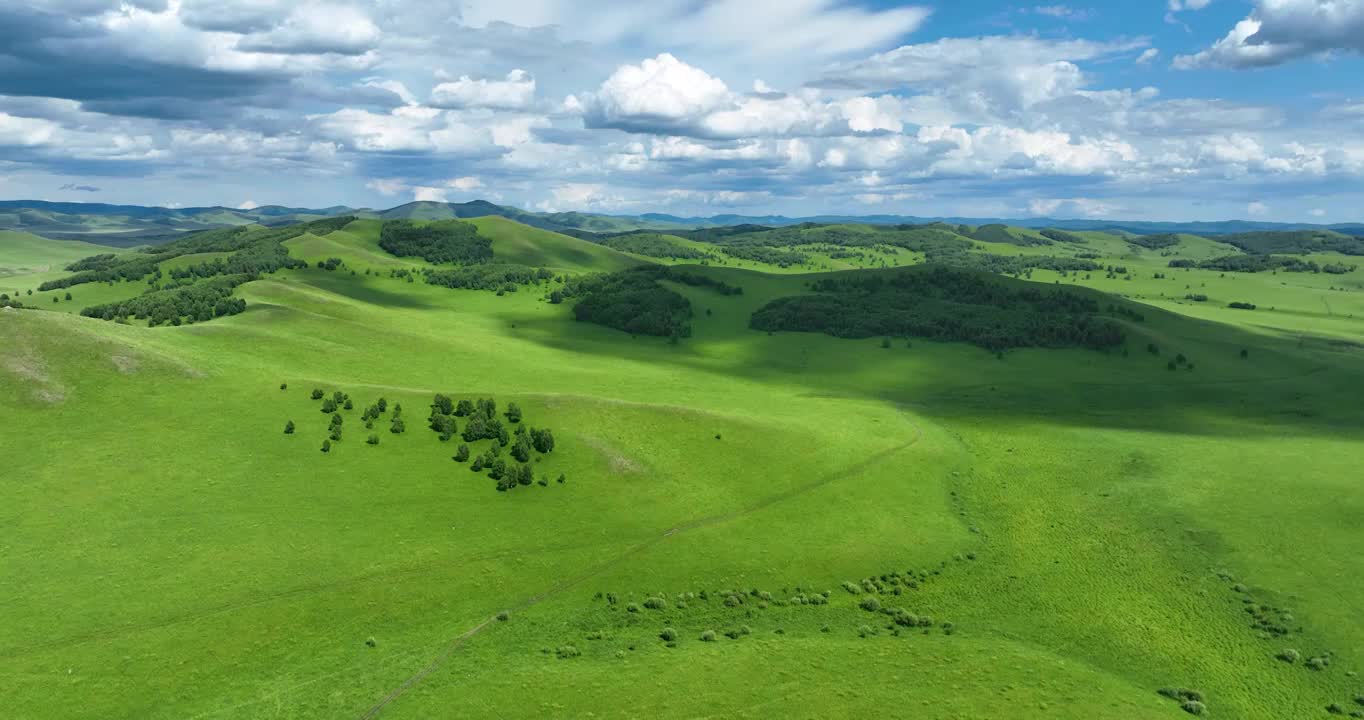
(566, 652)
(371, 642)
(503, 616)
(632, 607)
(870, 604)
(561, 478)
(1288, 655)
(289, 428)
(1193, 707)
(462, 453)
(284, 386)
(655, 603)
(1241, 306)
(326, 446)
(1335, 709)
(398, 426)
(866, 631)
(1181, 694)
(1320, 662)
(328, 406)
(852, 587)
(373, 440)
(708, 636)
(668, 634)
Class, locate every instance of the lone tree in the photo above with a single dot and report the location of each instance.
(382, 405)
(398, 426)
(289, 428)
(349, 405)
(373, 440)
(284, 386)
(513, 413)
(326, 446)
(317, 393)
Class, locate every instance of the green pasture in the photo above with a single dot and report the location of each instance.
(1093, 525)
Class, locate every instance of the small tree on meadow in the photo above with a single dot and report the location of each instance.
(373, 439)
(513, 413)
(464, 408)
(289, 428)
(328, 406)
(326, 446)
(462, 453)
(317, 393)
(398, 426)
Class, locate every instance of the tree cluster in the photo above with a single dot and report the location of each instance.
(943, 304)
(502, 278)
(1154, 242)
(631, 301)
(1062, 236)
(192, 303)
(649, 244)
(447, 241)
(1252, 264)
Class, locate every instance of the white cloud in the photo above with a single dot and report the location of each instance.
(465, 183)
(1317, 212)
(1148, 56)
(1178, 5)
(1069, 207)
(422, 193)
(1257, 208)
(316, 28)
(388, 187)
(248, 205)
(1277, 31)
(656, 94)
(516, 92)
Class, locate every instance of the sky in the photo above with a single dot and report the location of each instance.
(1142, 110)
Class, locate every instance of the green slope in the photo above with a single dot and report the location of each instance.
(523, 245)
(173, 554)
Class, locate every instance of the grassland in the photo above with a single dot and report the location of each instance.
(1091, 524)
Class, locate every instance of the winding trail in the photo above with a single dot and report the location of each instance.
(697, 524)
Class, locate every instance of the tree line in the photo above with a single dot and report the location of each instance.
(943, 304)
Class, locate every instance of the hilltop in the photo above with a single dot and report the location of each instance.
(128, 225)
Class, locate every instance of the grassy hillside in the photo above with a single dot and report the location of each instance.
(1092, 525)
(522, 245)
(26, 260)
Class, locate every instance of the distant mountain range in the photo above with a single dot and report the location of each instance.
(127, 225)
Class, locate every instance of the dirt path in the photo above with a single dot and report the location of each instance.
(699, 523)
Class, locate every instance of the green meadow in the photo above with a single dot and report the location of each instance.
(750, 524)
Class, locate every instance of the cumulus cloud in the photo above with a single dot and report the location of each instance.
(1257, 208)
(658, 94)
(516, 92)
(248, 205)
(316, 28)
(1277, 31)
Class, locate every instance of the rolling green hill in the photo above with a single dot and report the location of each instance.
(750, 522)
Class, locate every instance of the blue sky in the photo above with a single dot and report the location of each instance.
(1149, 109)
